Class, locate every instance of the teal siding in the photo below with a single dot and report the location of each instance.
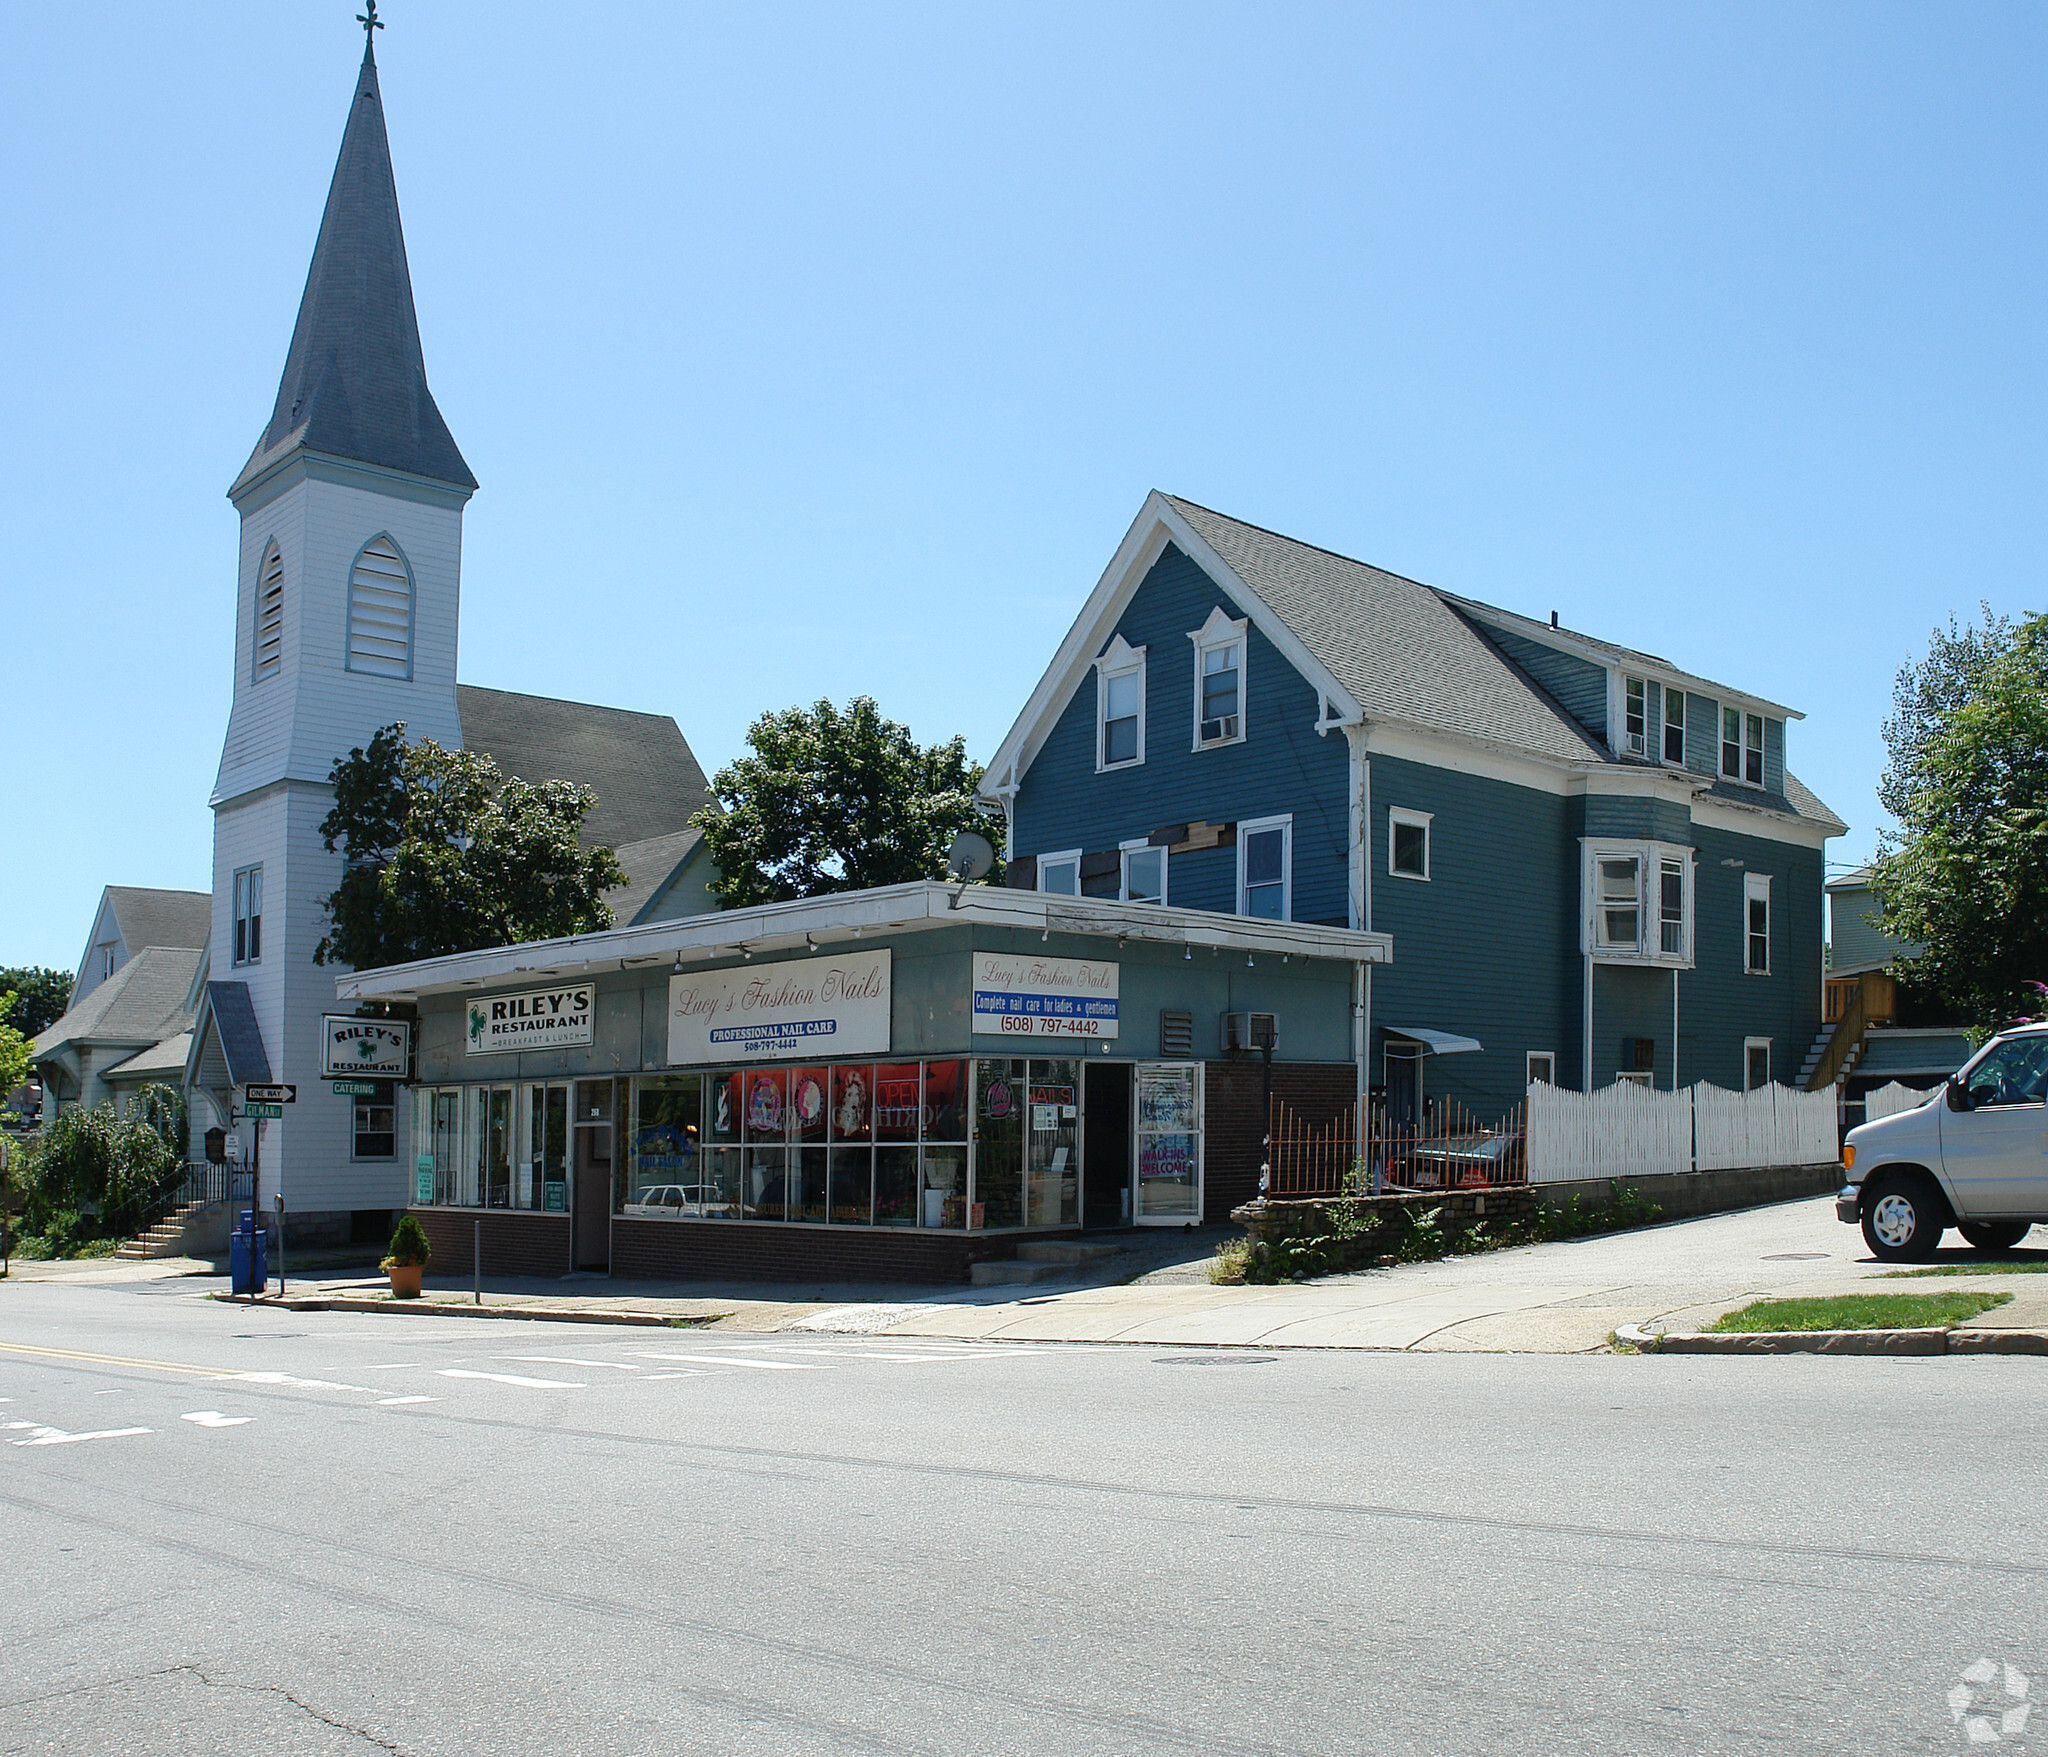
(1579, 685)
(1774, 757)
(1719, 1003)
(1648, 820)
(1702, 734)
(1631, 1001)
(1281, 767)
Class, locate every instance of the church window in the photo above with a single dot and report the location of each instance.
(270, 614)
(248, 916)
(380, 611)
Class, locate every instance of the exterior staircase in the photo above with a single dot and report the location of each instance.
(1819, 1049)
(1041, 1260)
(196, 1229)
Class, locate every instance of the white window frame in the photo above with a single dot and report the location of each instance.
(1214, 635)
(1412, 820)
(1670, 725)
(1635, 697)
(1246, 829)
(1140, 846)
(1643, 1077)
(1650, 858)
(1755, 1043)
(1728, 773)
(1752, 754)
(106, 960)
(1065, 857)
(245, 906)
(1548, 1057)
(1756, 888)
(1121, 660)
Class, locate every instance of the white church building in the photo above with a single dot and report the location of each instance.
(347, 619)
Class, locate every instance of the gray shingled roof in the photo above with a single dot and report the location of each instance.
(1392, 642)
(355, 380)
(647, 782)
(648, 864)
(162, 918)
(239, 1035)
(142, 1002)
(161, 1061)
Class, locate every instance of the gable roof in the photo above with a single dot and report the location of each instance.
(355, 379)
(161, 1061)
(227, 1041)
(143, 1002)
(162, 918)
(648, 784)
(649, 867)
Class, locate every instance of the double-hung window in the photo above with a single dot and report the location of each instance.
(1756, 1063)
(1674, 726)
(1753, 749)
(1731, 743)
(1120, 702)
(1756, 923)
(1060, 873)
(1638, 735)
(1408, 843)
(1265, 862)
(1639, 902)
(1219, 679)
(248, 918)
(1144, 873)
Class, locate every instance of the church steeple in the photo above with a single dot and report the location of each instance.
(355, 381)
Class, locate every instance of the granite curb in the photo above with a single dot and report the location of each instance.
(442, 1308)
(1960, 1340)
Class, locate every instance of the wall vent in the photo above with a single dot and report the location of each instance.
(1176, 1033)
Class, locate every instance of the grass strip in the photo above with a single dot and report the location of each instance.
(1858, 1311)
(2022, 1266)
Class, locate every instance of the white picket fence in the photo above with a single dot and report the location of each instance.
(1890, 1100)
(1625, 1130)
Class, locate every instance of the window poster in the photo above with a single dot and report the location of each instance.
(1166, 1100)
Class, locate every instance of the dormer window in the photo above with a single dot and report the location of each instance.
(1120, 706)
(1742, 746)
(1634, 720)
(1674, 726)
(1219, 679)
(269, 614)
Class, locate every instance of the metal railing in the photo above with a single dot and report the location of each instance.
(205, 1182)
(1449, 1149)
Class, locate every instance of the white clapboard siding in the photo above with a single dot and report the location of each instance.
(380, 611)
(1890, 1100)
(1772, 1126)
(1619, 1131)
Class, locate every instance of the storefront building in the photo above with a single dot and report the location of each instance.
(886, 1084)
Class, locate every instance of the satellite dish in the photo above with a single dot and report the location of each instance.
(970, 856)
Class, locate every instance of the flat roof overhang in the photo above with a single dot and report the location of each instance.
(817, 923)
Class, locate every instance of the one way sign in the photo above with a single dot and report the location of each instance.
(255, 1094)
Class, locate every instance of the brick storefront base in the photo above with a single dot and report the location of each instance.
(514, 1244)
(1316, 1092)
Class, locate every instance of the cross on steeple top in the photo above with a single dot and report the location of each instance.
(370, 23)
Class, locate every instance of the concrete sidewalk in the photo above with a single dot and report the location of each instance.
(1562, 1298)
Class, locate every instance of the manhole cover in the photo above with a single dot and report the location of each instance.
(1214, 1360)
(1797, 1257)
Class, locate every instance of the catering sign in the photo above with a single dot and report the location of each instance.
(781, 1012)
(539, 1018)
(1019, 995)
(364, 1049)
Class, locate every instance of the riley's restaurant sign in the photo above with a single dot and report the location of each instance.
(540, 1018)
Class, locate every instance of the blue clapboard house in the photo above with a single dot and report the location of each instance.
(1594, 865)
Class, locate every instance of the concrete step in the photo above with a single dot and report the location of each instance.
(1068, 1251)
(1013, 1274)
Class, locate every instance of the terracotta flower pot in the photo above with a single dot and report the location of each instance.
(405, 1279)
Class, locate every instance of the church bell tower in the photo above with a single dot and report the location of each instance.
(346, 616)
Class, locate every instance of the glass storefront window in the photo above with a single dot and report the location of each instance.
(999, 1098)
(853, 1111)
(1053, 1120)
(895, 1186)
(664, 1156)
(897, 1100)
(543, 1181)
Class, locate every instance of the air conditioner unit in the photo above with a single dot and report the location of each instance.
(1638, 745)
(1214, 731)
(1250, 1031)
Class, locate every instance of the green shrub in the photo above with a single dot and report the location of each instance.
(408, 1243)
(100, 1174)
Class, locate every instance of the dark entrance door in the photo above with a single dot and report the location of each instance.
(592, 1245)
(1106, 1145)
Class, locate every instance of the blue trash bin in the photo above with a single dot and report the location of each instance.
(241, 1279)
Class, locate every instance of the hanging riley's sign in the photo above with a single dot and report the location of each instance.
(1019, 995)
(364, 1049)
(781, 1012)
(541, 1018)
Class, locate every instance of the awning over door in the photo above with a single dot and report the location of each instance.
(1436, 1042)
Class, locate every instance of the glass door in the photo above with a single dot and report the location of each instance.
(1169, 1119)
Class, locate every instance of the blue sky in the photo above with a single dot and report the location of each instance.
(810, 351)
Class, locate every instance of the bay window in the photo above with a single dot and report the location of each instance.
(1638, 902)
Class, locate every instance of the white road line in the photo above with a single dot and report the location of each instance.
(212, 1418)
(42, 1436)
(567, 1360)
(393, 1402)
(303, 1384)
(392, 1366)
(738, 1360)
(656, 1378)
(514, 1379)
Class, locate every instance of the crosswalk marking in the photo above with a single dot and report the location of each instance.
(393, 1402)
(738, 1360)
(303, 1384)
(568, 1360)
(212, 1418)
(514, 1379)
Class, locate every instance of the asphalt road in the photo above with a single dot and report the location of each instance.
(287, 1533)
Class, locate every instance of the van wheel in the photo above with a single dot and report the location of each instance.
(1903, 1218)
(1993, 1235)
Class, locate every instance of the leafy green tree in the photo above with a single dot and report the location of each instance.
(1966, 873)
(832, 801)
(106, 1173)
(42, 995)
(445, 854)
(14, 1056)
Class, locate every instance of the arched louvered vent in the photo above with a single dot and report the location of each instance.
(269, 614)
(380, 611)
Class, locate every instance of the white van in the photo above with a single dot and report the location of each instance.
(1974, 1156)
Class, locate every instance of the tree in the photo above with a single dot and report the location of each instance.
(1966, 872)
(15, 1061)
(445, 854)
(837, 802)
(106, 1173)
(43, 996)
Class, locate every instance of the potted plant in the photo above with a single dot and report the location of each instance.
(409, 1253)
